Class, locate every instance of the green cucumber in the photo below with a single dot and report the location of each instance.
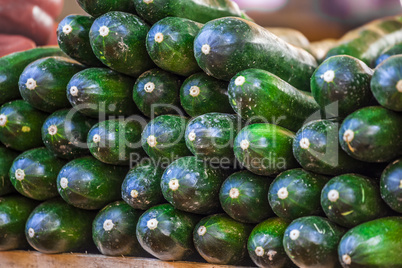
(262, 97)
(343, 81)
(118, 41)
(243, 196)
(73, 39)
(389, 52)
(201, 94)
(373, 244)
(97, 92)
(14, 212)
(166, 232)
(7, 157)
(227, 46)
(192, 185)
(222, 240)
(163, 139)
(89, 184)
(141, 188)
(313, 242)
(113, 230)
(319, 49)
(56, 227)
(265, 149)
(170, 45)
(156, 92)
(20, 125)
(296, 193)
(386, 83)
(372, 134)
(11, 67)
(391, 185)
(97, 8)
(64, 133)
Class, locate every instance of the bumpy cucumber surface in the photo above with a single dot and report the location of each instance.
(97, 8)
(389, 52)
(7, 157)
(391, 185)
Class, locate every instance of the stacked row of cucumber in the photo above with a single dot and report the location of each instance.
(234, 156)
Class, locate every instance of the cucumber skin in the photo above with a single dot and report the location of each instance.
(390, 188)
(384, 145)
(7, 157)
(357, 243)
(175, 53)
(237, 44)
(266, 98)
(389, 52)
(97, 8)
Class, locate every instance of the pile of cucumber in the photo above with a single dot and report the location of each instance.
(182, 130)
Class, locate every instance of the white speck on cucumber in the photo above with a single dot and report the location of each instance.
(174, 184)
(244, 144)
(346, 259)
(305, 143)
(151, 140)
(31, 84)
(328, 76)
(74, 91)
(194, 91)
(259, 251)
(3, 120)
(108, 225)
(152, 224)
(104, 31)
(202, 231)
(399, 86)
(134, 193)
(192, 136)
(63, 183)
(240, 81)
(96, 138)
(159, 37)
(52, 130)
(333, 195)
(19, 174)
(206, 49)
(294, 234)
(348, 136)
(149, 87)
(148, 1)
(283, 193)
(31, 232)
(67, 29)
(234, 193)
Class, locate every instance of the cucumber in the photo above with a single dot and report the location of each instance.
(391, 51)
(113, 230)
(170, 45)
(192, 185)
(97, 92)
(97, 8)
(64, 133)
(265, 149)
(7, 157)
(319, 49)
(166, 232)
(391, 185)
(43, 82)
(312, 242)
(386, 83)
(118, 41)
(156, 92)
(163, 139)
(12, 65)
(116, 141)
(243, 196)
(56, 227)
(141, 188)
(262, 97)
(201, 94)
(227, 46)
(222, 240)
(265, 245)
(344, 81)
(296, 193)
(291, 36)
(373, 244)
(20, 125)
(372, 134)
(14, 212)
(89, 184)
(73, 39)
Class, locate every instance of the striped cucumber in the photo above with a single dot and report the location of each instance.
(389, 52)
(391, 185)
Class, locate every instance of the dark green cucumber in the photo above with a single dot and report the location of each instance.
(14, 212)
(372, 134)
(11, 67)
(192, 185)
(391, 185)
(227, 46)
(313, 242)
(389, 52)
(20, 125)
(64, 133)
(116, 141)
(113, 230)
(166, 232)
(7, 157)
(386, 83)
(262, 97)
(170, 45)
(43, 82)
(222, 240)
(265, 245)
(157, 92)
(243, 196)
(97, 8)
(265, 149)
(56, 227)
(97, 92)
(141, 188)
(73, 39)
(343, 81)
(118, 41)
(296, 193)
(373, 244)
(201, 94)
(89, 184)
(163, 139)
